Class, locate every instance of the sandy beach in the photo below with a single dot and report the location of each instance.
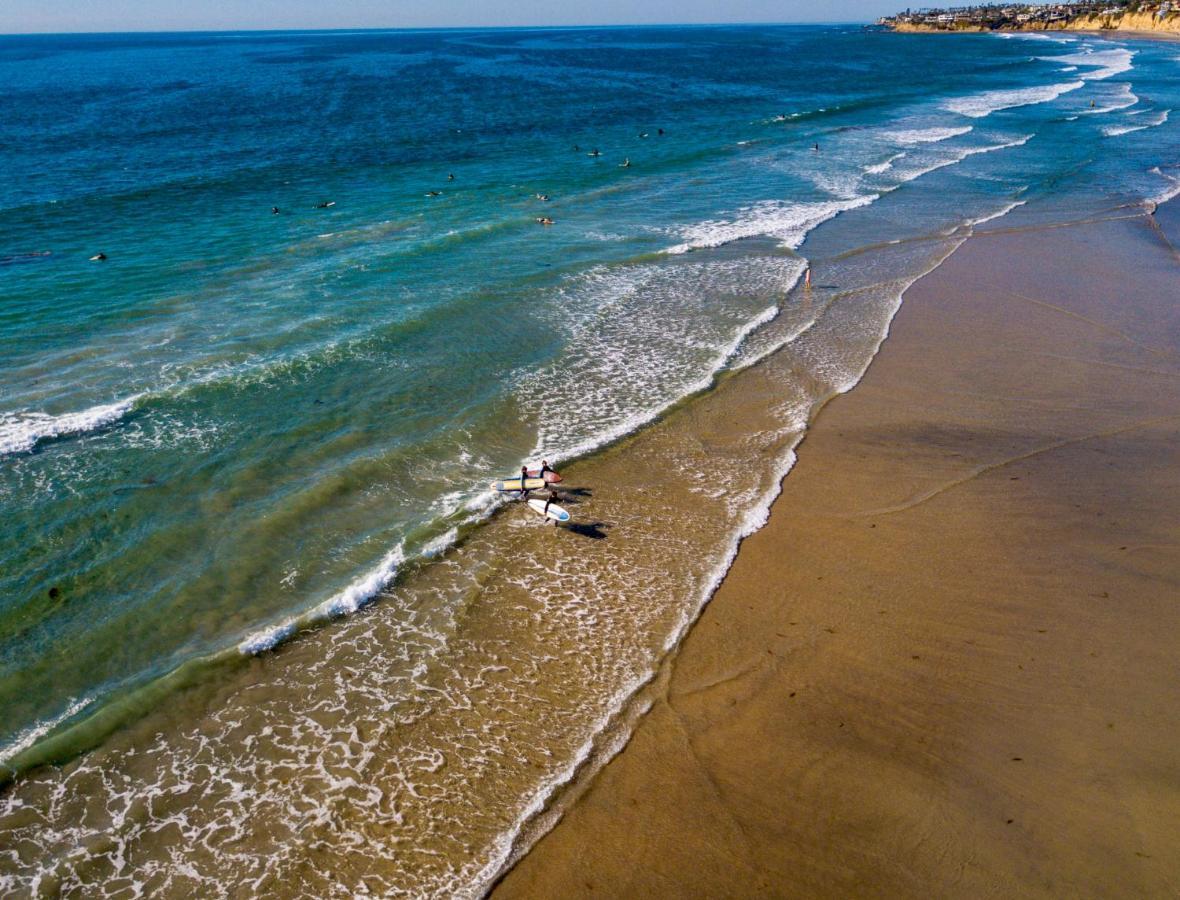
(947, 664)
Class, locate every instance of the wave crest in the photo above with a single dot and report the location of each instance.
(22, 431)
(977, 106)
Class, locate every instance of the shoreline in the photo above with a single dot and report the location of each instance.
(1167, 35)
(596, 584)
(668, 789)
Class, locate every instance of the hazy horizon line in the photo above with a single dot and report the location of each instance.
(427, 28)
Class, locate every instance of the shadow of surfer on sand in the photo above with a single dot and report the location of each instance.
(594, 530)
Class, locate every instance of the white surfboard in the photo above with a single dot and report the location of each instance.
(555, 512)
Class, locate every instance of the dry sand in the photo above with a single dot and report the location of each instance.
(948, 665)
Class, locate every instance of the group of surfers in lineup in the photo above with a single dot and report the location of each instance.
(594, 154)
(541, 220)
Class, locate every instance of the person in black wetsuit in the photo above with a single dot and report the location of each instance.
(524, 477)
(549, 499)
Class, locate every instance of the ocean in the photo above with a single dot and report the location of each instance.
(263, 625)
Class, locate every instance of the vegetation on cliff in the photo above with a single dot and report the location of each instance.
(1088, 15)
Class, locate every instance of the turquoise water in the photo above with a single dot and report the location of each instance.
(242, 424)
(239, 415)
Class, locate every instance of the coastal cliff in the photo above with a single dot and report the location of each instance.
(1139, 21)
(1146, 21)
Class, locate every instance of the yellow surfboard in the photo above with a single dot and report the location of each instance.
(513, 484)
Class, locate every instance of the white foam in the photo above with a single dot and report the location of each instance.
(648, 336)
(841, 185)
(1031, 36)
(349, 600)
(911, 137)
(440, 544)
(977, 106)
(999, 214)
(21, 431)
(1116, 130)
(878, 168)
(638, 419)
(787, 222)
(1107, 62)
(363, 590)
(30, 736)
(1168, 193)
(1121, 100)
(911, 174)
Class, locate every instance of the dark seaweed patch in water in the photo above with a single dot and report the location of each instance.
(17, 259)
(173, 86)
(286, 58)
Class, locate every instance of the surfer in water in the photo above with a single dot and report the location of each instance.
(545, 467)
(524, 477)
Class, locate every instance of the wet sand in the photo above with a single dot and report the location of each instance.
(948, 663)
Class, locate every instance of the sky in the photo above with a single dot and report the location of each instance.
(26, 16)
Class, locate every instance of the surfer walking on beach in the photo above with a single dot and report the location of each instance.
(549, 498)
(524, 478)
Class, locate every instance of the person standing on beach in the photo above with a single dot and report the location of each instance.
(549, 499)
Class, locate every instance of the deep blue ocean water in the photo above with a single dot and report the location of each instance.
(245, 422)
